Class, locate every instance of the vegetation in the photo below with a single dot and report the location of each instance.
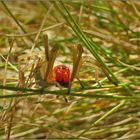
(108, 31)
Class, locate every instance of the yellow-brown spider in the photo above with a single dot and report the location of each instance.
(59, 75)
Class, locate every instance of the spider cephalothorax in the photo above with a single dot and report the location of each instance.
(62, 75)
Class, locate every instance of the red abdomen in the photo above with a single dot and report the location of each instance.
(62, 75)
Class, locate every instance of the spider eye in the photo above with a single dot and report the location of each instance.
(63, 67)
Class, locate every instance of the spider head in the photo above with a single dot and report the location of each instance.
(62, 75)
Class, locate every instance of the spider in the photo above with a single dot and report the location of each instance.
(59, 75)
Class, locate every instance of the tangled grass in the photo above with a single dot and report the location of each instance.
(109, 32)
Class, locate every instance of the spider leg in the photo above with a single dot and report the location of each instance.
(46, 46)
(97, 76)
(76, 64)
(65, 98)
(82, 86)
(50, 57)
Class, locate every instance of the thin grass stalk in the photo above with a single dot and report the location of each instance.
(32, 92)
(10, 13)
(14, 18)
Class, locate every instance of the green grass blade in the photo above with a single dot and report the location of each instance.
(102, 118)
(74, 93)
